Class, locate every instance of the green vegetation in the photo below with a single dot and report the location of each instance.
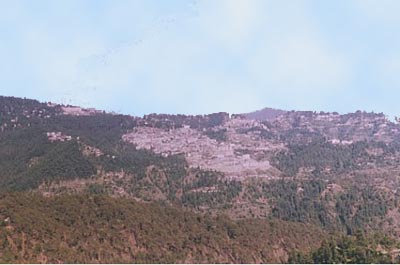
(166, 121)
(219, 135)
(297, 201)
(318, 190)
(219, 197)
(263, 133)
(357, 249)
(28, 159)
(356, 207)
(100, 229)
(320, 154)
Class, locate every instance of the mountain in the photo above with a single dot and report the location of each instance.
(218, 188)
(266, 114)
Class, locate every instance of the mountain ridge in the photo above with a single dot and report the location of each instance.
(75, 110)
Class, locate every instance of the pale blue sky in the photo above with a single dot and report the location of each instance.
(194, 57)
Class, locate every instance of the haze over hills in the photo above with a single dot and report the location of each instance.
(266, 114)
(267, 186)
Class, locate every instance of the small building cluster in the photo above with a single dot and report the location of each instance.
(78, 111)
(58, 136)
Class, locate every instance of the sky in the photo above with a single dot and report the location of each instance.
(197, 57)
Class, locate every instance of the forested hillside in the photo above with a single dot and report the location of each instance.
(82, 185)
(100, 229)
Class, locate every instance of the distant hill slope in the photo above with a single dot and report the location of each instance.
(266, 114)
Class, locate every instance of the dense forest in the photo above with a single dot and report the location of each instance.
(100, 229)
(358, 249)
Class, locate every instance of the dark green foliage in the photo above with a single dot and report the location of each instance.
(358, 207)
(221, 196)
(63, 162)
(345, 250)
(299, 136)
(204, 178)
(17, 113)
(18, 148)
(320, 154)
(99, 130)
(137, 162)
(263, 133)
(298, 201)
(100, 229)
(96, 189)
(355, 208)
(28, 159)
(219, 135)
(166, 121)
(208, 188)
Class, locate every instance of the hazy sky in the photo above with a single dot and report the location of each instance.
(148, 56)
